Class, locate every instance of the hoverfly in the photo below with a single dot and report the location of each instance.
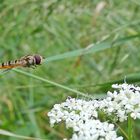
(25, 61)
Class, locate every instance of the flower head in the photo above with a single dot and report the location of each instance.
(81, 116)
(124, 101)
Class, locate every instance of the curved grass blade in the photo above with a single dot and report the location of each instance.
(53, 83)
(125, 38)
(131, 78)
(90, 49)
(10, 134)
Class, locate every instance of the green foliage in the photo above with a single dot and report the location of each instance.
(85, 50)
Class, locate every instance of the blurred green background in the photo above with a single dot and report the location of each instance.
(52, 28)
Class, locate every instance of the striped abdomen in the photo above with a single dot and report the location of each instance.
(10, 64)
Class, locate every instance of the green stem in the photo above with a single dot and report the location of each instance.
(130, 128)
(122, 131)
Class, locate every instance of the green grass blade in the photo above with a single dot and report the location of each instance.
(126, 38)
(7, 133)
(90, 49)
(130, 78)
(52, 83)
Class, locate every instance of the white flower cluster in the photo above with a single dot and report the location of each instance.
(95, 130)
(123, 102)
(72, 111)
(82, 115)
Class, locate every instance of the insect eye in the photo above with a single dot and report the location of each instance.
(37, 59)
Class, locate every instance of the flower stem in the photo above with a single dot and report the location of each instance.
(130, 128)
